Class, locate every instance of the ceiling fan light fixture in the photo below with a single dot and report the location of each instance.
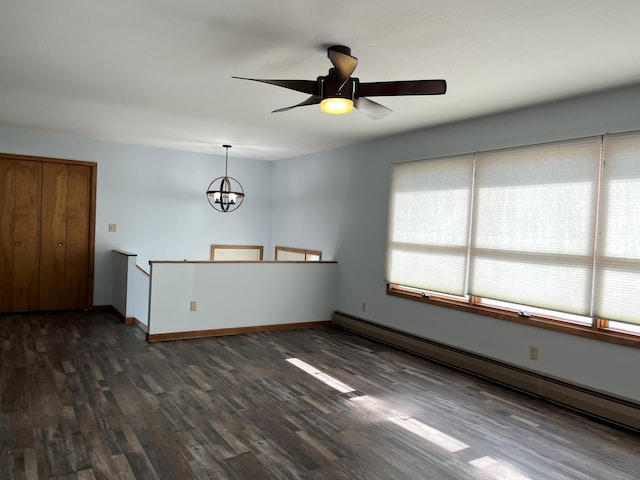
(336, 105)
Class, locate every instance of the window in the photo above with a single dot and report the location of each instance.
(534, 225)
(236, 253)
(618, 259)
(549, 232)
(429, 218)
(287, 254)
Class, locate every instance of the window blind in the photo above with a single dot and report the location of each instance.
(618, 251)
(554, 226)
(534, 223)
(428, 224)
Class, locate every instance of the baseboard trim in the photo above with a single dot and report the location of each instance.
(116, 312)
(142, 326)
(123, 319)
(601, 405)
(159, 337)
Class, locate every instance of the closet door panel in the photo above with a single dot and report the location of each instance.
(47, 221)
(7, 207)
(53, 236)
(76, 286)
(26, 251)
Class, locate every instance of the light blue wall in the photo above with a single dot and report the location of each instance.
(157, 199)
(337, 202)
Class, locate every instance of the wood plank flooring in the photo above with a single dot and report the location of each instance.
(83, 396)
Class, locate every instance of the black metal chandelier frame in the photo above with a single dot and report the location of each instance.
(229, 194)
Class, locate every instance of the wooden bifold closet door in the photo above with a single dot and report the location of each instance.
(21, 200)
(47, 211)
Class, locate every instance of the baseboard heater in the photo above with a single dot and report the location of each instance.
(601, 405)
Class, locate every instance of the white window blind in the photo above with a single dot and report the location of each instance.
(289, 256)
(534, 225)
(428, 231)
(553, 226)
(617, 294)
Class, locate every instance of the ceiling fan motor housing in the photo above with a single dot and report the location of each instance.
(329, 87)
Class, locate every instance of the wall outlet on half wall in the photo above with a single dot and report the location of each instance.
(193, 306)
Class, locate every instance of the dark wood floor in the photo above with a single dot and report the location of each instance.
(83, 396)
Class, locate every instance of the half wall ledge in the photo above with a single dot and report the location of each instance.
(192, 299)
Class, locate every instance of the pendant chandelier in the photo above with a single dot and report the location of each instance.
(225, 194)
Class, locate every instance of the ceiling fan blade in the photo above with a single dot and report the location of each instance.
(312, 100)
(403, 87)
(304, 86)
(344, 62)
(370, 108)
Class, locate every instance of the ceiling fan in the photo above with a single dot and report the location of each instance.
(338, 92)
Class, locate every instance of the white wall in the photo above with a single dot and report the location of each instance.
(340, 198)
(237, 295)
(138, 297)
(157, 199)
(120, 274)
(130, 291)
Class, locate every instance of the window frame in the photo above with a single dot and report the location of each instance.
(304, 251)
(259, 249)
(598, 330)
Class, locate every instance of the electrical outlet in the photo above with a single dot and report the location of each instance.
(193, 306)
(533, 352)
(113, 227)
(364, 306)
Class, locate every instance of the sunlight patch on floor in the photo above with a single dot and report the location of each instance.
(323, 377)
(379, 406)
(498, 470)
(386, 412)
(379, 409)
(430, 434)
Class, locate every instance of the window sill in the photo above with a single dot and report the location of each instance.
(628, 340)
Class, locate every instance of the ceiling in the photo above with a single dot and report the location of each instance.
(158, 72)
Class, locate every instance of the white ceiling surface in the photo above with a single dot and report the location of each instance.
(158, 72)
